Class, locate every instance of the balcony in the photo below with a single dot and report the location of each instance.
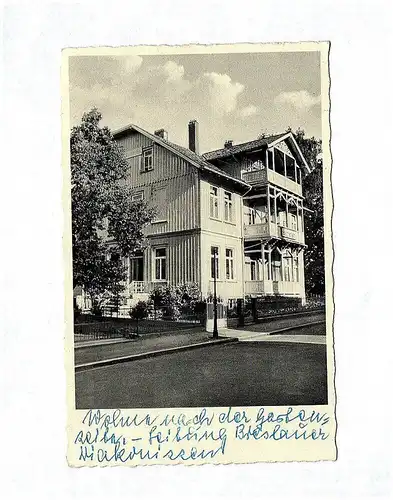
(269, 287)
(286, 288)
(291, 235)
(271, 230)
(264, 176)
(284, 182)
(264, 230)
(255, 177)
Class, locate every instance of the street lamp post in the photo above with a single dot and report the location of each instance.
(215, 329)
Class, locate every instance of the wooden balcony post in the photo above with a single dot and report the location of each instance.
(269, 264)
(263, 260)
(275, 206)
(285, 165)
(268, 204)
(286, 211)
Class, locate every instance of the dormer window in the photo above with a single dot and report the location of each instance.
(147, 160)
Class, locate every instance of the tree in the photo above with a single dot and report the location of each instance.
(314, 262)
(309, 146)
(102, 208)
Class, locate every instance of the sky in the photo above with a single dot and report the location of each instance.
(233, 96)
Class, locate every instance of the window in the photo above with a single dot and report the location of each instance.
(276, 265)
(147, 160)
(137, 196)
(251, 216)
(293, 221)
(270, 160)
(160, 264)
(287, 268)
(214, 202)
(296, 269)
(229, 264)
(254, 270)
(268, 273)
(228, 209)
(214, 264)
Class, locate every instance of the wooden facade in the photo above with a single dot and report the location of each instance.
(201, 209)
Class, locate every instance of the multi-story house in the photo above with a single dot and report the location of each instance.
(273, 212)
(239, 208)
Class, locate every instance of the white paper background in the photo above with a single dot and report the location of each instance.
(33, 436)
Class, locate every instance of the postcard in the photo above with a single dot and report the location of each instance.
(198, 254)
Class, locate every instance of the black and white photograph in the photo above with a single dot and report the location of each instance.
(183, 278)
(198, 229)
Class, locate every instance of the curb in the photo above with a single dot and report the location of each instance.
(151, 354)
(296, 327)
(81, 345)
(282, 330)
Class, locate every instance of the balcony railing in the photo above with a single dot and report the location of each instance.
(292, 235)
(145, 286)
(254, 287)
(263, 176)
(257, 230)
(255, 176)
(283, 182)
(269, 229)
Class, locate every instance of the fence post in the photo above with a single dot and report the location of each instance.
(240, 312)
(254, 309)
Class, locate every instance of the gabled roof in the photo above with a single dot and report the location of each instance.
(239, 148)
(268, 141)
(198, 161)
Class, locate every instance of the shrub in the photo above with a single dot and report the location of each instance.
(96, 308)
(176, 300)
(140, 311)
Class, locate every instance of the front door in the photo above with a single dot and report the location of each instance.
(136, 269)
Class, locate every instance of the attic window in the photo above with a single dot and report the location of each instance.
(147, 160)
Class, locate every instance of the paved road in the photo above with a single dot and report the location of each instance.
(238, 374)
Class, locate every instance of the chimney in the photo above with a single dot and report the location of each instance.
(161, 133)
(228, 144)
(193, 136)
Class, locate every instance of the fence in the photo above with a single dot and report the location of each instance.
(252, 310)
(119, 328)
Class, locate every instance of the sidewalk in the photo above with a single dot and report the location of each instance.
(104, 352)
(91, 355)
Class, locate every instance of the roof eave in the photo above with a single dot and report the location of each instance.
(164, 144)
